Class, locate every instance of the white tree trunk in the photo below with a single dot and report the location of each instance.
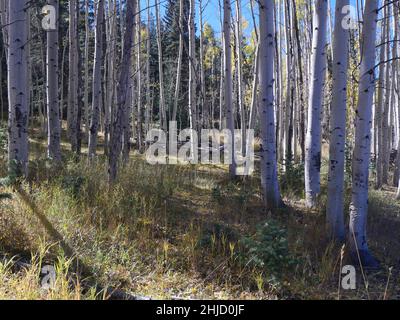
(162, 110)
(203, 100)
(268, 162)
(111, 72)
(18, 91)
(222, 74)
(139, 140)
(73, 75)
(122, 92)
(97, 87)
(313, 138)
(148, 75)
(334, 213)
(240, 74)
(4, 22)
(386, 107)
(53, 107)
(362, 148)
(179, 67)
(228, 82)
(86, 80)
(396, 77)
(192, 76)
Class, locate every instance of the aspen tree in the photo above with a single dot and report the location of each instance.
(317, 80)
(362, 148)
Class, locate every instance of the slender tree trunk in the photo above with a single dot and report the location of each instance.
(301, 83)
(203, 100)
(379, 110)
(139, 140)
(335, 205)
(287, 117)
(111, 78)
(362, 148)
(222, 74)
(148, 75)
(396, 76)
(86, 81)
(4, 18)
(18, 91)
(313, 138)
(73, 103)
(4, 22)
(163, 112)
(192, 77)
(386, 107)
(65, 46)
(122, 92)
(53, 107)
(228, 82)
(240, 75)
(97, 87)
(268, 162)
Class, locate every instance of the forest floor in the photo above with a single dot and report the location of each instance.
(182, 232)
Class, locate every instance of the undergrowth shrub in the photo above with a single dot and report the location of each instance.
(268, 250)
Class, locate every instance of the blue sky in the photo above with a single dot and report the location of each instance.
(211, 12)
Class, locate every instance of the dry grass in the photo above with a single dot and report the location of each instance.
(176, 231)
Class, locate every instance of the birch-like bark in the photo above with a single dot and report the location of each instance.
(192, 77)
(335, 205)
(396, 76)
(53, 107)
(313, 138)
(86, 80)
(139, 140)
(111, 72)
(18, 91)
(222, 74)
(179, 67)
(148, 75)
(122, 92)
(287, 124)
(240, 75)
(301, 132)
(268, 161)
(203, 100)
(228, 82)
(4, 16)
(73, 75)
(3, 22)
(97, 87)
(386, 107)
(362, 148)
(64, 53)
(162, 110)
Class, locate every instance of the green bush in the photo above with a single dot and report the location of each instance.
(268, 249)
